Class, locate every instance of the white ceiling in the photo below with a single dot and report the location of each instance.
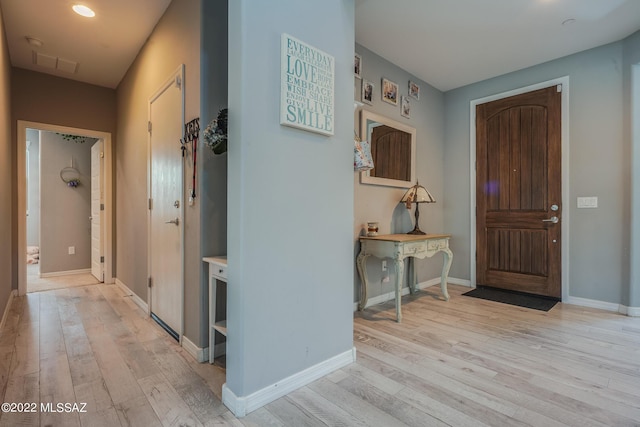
(447, 43)
(104, 46)
(452, 43)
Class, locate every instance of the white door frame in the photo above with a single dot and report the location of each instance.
(22, 193)
(564, 81)
(176, 77)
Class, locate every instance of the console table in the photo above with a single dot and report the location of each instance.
(217, 320)
(398, 247)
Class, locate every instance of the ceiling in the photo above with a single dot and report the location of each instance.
(103, 47)
(446, 43)
(452, 43)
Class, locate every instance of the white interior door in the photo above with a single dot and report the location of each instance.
(97, 204)
(165, 234)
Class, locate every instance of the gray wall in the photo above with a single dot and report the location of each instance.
(631, 75)
(290, 225)
(174, 41)
(33, 188)
(8, 270)
(597, 167)
(65, 211)
(43, 98)
(212, 170)
(379, 203)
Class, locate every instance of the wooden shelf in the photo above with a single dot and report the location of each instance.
(221, 327)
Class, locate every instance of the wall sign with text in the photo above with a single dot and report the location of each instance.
(307, 87)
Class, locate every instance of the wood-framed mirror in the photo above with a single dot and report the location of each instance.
(393, 149)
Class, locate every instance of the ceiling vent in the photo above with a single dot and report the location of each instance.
(54, 63)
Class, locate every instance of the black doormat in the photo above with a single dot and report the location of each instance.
(520, 299)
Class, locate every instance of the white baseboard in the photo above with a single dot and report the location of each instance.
(242, 405)
(143, 305)
(632, 311)
(461, 282)
(199, 354)
(603, 305)
(7, 308)
(66, 273)
(405, 291)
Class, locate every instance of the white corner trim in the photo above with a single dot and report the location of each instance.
(201, 355)
(405, 291)
(632, 311)
(7, 308)
(66, 273)
(242, 405)
(603, 305)
(143, 305)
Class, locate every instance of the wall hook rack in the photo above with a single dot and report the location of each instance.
(191, 134)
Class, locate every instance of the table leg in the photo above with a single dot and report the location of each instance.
(448, 259)
(399, 263)
(361, 263)
(413, 275)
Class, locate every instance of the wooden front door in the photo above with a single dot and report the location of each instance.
(518, 192)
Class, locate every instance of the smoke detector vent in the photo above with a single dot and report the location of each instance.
(54, 63)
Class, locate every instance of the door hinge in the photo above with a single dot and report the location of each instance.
(149, 126)
(150, 204)
(102, 259)
(178, 82)
(102, 154)
(101, 206)
(559, 88)
(150, 283)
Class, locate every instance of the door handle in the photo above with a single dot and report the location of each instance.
(553, 219)
(173, 221)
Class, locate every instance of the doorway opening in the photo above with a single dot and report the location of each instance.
(64, 203)
(564, 83)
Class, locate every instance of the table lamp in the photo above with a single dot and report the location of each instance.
(417, 194)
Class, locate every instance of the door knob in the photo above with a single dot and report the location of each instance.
(553, 219)
(173, 221)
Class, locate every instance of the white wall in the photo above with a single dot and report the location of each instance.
(33, 188)
(290, 222)
(379, 203)
(65, 211)
(597, 167)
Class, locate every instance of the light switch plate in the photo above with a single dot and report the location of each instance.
(587, 202)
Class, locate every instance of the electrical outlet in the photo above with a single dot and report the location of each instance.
(587, 202)
(72, 250)
(384, 265)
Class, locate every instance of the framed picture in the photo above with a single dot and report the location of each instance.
(367, 92)
(357, 66)
(414, 90)
(405, 107)
(389, 91)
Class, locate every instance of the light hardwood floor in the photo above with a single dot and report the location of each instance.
(466, 362)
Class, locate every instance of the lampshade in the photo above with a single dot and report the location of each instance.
(417, 194)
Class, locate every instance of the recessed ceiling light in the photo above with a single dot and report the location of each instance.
(83, 11)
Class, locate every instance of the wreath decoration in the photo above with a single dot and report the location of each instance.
(70, 176)
(215, 134)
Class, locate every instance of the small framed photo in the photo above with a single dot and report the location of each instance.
(357, 66)
(414, 90)
(405, 107)
(367, 92)
(389, 91)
